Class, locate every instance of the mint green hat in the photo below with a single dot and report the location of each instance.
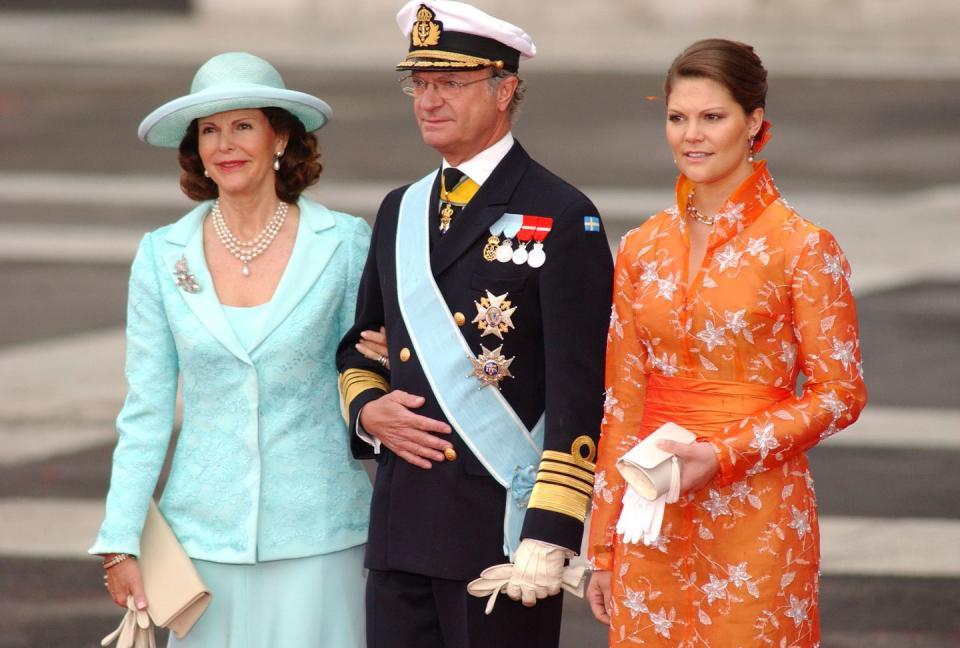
(230, 81)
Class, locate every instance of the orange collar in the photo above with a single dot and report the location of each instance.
(743, 206)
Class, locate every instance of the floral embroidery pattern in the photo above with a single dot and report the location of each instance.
(737, 562)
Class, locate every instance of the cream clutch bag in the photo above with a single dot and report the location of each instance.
(653, 481)
(651, 471)
(176, 596)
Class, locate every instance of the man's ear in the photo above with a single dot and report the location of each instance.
(505, 90)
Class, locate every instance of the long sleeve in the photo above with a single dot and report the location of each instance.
(575, 287)
(361, 379)
(359, 249)
(828, 352)
(146, 421)
(623, 410)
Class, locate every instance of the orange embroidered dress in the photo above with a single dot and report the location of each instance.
(737, 562)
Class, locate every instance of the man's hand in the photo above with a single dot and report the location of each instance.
(408, 435)
(537, 572)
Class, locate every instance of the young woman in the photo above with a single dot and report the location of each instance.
(719, 303)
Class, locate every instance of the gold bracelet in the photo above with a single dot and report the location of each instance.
(116, 560)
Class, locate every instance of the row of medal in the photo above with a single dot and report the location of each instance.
(525, 228)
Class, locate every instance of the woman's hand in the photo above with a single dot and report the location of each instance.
(698, 463)
(123, 579)
(598, 594)
(374, 346)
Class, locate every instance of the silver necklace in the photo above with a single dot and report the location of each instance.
(694, 213)
(247, 251)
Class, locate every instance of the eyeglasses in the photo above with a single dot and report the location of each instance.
(447, 90)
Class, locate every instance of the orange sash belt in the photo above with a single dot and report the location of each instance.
(704, 407)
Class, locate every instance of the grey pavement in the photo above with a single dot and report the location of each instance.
(865, 142)
(853, 39)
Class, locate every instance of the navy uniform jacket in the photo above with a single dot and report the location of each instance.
(447, 522)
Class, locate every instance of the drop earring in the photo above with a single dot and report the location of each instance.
(276, 161)
(750, 148)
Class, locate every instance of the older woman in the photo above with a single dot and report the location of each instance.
(244, 299)
(719, 303)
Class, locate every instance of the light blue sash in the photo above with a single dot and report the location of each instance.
(479, 414)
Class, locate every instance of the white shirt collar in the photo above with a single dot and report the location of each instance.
(480, 166)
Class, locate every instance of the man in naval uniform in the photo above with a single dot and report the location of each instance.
(493, 279)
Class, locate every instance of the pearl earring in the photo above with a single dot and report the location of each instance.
(206, 174)
(276, 161)
(750, 148)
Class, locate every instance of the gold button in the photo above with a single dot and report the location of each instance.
(404, 354)
(450, 454)
(459, 318)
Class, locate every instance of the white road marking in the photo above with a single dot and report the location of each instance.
(24, 442)
(807, 47)
(48, 528)
(927, 548)
(882, 252)
(902, 427)
(72, 378)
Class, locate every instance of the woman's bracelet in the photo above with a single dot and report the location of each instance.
(116, 560)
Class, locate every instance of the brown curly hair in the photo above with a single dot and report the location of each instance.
(299, 167)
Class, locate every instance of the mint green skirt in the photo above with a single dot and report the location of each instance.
(314, 602)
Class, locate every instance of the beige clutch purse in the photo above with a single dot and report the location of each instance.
(651, 471)
(176, 596)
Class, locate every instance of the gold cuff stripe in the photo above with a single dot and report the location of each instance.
(356, 381)
(576, 457)
(569, 459)
(567, 469)
(563, 480)
(559, 499)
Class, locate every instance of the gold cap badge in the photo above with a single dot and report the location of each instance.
(426, 31)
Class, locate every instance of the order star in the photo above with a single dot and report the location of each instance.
(493, 315)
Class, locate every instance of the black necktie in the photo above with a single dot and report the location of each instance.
(452, 177)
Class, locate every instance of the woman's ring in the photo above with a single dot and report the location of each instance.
(382, 360)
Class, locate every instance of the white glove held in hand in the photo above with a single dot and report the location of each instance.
(640, 518)
(537, 572)
(135, 630)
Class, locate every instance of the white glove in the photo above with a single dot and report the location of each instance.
(537, 572)
(640, 518)
(135, 630)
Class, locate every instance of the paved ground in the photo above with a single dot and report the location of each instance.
(872, 156)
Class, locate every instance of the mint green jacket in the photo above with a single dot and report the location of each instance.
(262, 468)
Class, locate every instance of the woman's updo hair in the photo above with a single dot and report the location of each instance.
(299, 167)
(733, 65)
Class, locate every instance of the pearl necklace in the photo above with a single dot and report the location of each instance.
(247, 251)
(694, 213)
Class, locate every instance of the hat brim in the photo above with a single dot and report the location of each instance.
(166, 126)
